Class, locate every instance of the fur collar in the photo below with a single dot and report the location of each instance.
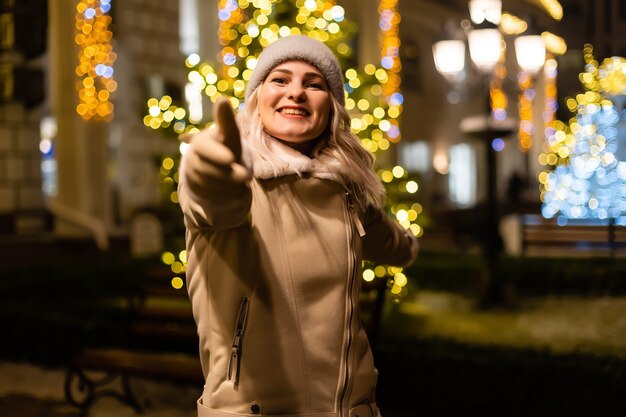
(289, 161)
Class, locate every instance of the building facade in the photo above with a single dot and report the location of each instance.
(92, 176)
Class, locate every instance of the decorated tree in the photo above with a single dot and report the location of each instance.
(373, 98)
(587, 153)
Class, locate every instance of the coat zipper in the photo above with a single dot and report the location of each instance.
(234, 362)
(351, 213)
(354, 215)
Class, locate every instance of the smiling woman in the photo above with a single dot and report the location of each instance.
(294, 102)
(281, 207)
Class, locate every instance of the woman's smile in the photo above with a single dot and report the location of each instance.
(291, 112)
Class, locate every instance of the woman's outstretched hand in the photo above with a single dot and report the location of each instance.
(213, 161)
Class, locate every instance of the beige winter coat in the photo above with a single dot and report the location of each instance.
(273, 274)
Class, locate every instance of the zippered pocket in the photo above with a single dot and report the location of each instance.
(354, 216)
(234, 362)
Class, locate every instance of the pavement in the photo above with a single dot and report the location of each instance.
(595, 326)
(28, 390)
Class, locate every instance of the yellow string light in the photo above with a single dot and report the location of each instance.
(96, 59)
(389, 23)
(512, 25)
(230, 16)
(498, 99)
(554, 44)
(554, 8)
(526, 97)
(550, 106)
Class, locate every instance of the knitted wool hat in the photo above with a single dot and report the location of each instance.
(299, 48)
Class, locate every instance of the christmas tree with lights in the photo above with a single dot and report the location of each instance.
(373, 97)
(589, 176)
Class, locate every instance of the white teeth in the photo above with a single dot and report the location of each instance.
(294, 111)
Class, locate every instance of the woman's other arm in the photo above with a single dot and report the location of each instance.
(386, 242)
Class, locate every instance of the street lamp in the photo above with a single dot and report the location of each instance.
(530, 52)
(485, 10)
(485, 46)
(449, 58)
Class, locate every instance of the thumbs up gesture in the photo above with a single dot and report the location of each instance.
(213, 160)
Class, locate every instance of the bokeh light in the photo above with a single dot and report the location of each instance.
(96, 58)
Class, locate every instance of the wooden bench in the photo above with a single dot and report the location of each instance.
(584, 237)
(162, 345)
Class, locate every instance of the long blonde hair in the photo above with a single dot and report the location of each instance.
(340, 144)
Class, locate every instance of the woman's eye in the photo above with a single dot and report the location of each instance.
(316, 86)
(279, 80)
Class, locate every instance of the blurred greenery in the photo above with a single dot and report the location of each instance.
(441, 378)
(463, 273)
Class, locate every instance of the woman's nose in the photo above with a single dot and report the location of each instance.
(297, 92)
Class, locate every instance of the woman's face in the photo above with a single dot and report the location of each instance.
(294, 102)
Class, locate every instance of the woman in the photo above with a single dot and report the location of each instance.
(279, 209)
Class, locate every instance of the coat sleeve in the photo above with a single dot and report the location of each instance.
(385, 241)
(218, 208)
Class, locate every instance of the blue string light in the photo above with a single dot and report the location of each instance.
(497, 144)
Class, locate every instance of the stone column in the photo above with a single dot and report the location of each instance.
(208, 25)
(81, 147)
(21, 196)
(209, 41)
(365, 14)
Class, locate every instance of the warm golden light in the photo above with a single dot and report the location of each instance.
(177, 283)
(167, 258)
(512, 25)
(554, 44)
(554, 8)
(96, 59)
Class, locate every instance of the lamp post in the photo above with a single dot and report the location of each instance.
(485, 46)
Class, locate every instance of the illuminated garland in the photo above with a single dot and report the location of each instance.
(512, 25)
(551, 104)
(526, 98)
(231, 16)
(390, 78)
(96, 58)
(498, 99)
(389, 23)
(178, 266)
(372, 118)
(588, 178)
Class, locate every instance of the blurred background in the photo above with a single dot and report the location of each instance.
(499, 132)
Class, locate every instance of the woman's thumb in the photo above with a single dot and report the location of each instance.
(224, 117)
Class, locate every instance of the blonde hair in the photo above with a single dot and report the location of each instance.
(339, 143)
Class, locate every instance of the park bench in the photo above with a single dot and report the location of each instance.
(160, 324)
(584, 237)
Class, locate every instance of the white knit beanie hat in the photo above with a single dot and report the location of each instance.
(299, 48)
